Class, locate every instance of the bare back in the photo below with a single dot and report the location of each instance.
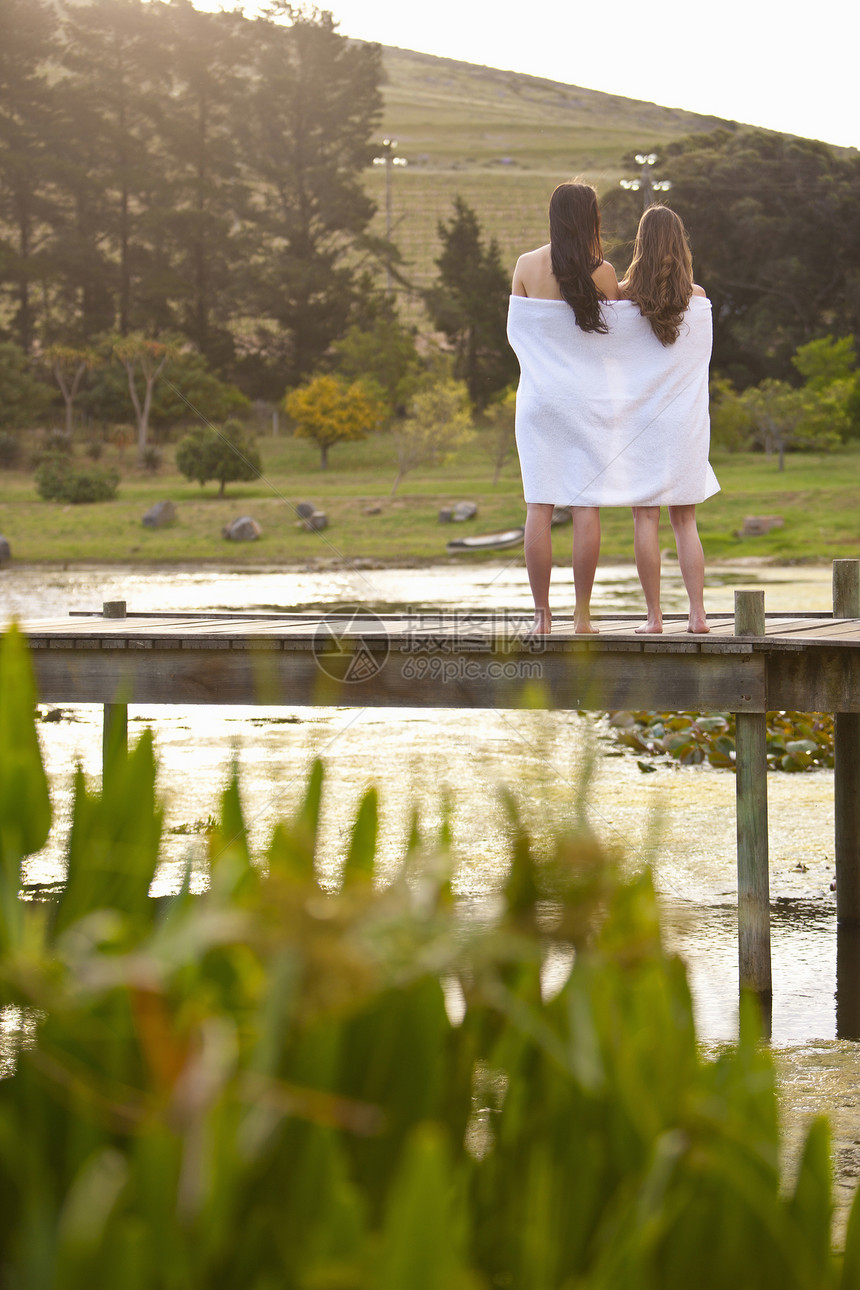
(533, 276)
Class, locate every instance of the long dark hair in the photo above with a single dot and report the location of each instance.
(575, 251)
(660, 279)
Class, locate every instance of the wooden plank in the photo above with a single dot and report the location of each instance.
(826, 679)
(579, 679)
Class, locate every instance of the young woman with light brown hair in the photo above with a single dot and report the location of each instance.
(660, 282)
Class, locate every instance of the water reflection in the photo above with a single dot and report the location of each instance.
(681, 821)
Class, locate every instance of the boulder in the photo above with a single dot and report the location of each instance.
(159, 515)
(245, 529)
(561, 515)
(5, 550)
(316, 521)
(372, 510)
(305, 510)
(446, 515)
(755, 525)
(464, 511)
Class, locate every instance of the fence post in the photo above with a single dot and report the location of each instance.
(846, 763)
(754, 969)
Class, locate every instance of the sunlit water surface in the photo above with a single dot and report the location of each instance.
(560, 767)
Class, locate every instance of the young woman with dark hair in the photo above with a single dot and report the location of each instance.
(570, 267)
(660, 282)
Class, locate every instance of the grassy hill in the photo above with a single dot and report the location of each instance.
(502, 141)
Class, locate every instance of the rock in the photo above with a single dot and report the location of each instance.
(160, 514)
(755, 525)
(245, 529)
(561, 515)
(305, 510)
(446, 515)
(5, 550)
(464, 511)
(316, 521)
(372, 510)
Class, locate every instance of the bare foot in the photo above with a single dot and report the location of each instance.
(698, 624)
(542, 625)
(583, 626)
(653, 627)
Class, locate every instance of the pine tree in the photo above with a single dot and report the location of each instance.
(310, 116)
(27, 111)
(469, 304)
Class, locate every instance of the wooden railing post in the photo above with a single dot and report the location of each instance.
(115, 723)
(846, 761)
(754, 970)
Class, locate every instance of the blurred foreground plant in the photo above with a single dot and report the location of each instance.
(273, 1085)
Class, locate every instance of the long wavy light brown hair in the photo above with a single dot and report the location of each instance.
(660, 279)
(576, 251)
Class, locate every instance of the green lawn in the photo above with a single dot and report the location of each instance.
(816, 496)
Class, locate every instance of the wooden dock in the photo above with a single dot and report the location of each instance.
(748, 664)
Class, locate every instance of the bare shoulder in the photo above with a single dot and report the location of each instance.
(533, 274)
(606, 281)
(699, 291)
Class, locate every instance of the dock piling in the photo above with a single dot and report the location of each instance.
(115, 722)
(754, 967)
(846, 760)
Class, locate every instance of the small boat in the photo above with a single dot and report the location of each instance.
(487, 541)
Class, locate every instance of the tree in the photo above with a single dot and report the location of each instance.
(499, 438)
(469, 304)
(24, 400)
(144, 362)
(776, 242)
(383, 352)
(731, 424)
(68, 366)
(438, 423)
(329, 411)
(309, 113)
(203, 199)
(27, 200)
(829, 370)
(225, 455)
(784, 417)
(113, 87)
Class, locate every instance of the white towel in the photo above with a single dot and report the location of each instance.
(616, 419)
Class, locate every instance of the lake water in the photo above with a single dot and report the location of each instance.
(560, 766)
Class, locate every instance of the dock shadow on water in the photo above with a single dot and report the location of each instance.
(679, 820)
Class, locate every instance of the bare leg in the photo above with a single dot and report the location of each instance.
(586, 550)
(538, 551)
(691, 558)
(646, 547)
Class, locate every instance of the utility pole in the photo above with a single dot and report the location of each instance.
(389, 161)
(645, 184)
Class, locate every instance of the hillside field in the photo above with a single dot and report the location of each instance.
(502, 141)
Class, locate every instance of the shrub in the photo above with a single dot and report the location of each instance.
(272, 1084)
(59, 480)
(53, 443)
(10, 450)
(150, 459)
(223, 455)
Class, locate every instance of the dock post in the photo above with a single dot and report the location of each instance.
(115, 724)
(754, 970)
(846, 762)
